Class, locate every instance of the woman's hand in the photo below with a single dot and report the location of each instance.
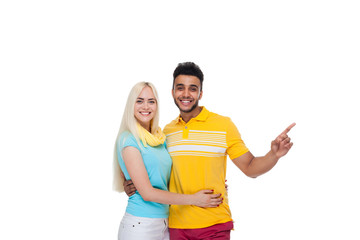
(207, 198)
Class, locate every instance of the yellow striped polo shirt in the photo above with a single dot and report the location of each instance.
(199, 150)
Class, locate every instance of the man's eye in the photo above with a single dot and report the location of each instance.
(193, 89)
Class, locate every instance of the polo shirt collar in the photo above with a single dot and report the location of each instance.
(203, 115)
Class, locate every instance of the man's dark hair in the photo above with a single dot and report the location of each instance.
(191, 69)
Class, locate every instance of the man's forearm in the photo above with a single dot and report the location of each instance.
(261, 165)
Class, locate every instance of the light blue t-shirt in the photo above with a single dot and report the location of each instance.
(158, 164)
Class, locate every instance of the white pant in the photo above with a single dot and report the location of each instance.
(141, 228)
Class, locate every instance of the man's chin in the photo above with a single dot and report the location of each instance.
(187, 110)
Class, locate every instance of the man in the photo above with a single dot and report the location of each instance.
(199, 142)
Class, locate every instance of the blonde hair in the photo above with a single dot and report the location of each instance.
(129, 124)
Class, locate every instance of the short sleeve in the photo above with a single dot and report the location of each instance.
(235, 145)
(126, 139)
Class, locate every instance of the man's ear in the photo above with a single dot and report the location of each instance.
(200, 94)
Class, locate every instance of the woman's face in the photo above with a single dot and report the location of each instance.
(145, 107)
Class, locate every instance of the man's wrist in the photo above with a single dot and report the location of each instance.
(272, 156)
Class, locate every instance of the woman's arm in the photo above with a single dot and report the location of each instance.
(137, 171)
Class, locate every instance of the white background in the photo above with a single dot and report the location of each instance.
(66, 68)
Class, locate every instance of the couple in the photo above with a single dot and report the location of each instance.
(188, 159)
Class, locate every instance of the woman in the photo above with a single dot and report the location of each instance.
(140, 153)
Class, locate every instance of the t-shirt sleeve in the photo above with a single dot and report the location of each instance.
(235, 145)
(127, 140)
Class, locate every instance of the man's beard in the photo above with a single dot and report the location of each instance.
(190, 110)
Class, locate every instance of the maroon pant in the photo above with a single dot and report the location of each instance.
(218, 231)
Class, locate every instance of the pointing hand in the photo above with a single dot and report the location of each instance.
(282, 144)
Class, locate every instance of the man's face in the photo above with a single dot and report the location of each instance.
(186, 92)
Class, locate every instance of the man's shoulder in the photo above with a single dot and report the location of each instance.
(217, 117)
(218, 122)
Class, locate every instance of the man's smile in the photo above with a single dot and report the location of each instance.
(185, 102)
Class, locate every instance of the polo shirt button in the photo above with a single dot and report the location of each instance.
(185, 127)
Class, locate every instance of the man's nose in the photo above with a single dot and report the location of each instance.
(186, 93)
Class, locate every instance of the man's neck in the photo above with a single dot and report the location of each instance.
(187, 116)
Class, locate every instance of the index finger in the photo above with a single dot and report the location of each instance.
(288, 128)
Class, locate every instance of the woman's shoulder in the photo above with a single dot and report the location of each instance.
(127, 139)
(126, 134)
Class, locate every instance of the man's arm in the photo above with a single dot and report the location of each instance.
(256, 166)
(129, 187)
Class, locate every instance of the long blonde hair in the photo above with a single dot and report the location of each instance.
(129, 124)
